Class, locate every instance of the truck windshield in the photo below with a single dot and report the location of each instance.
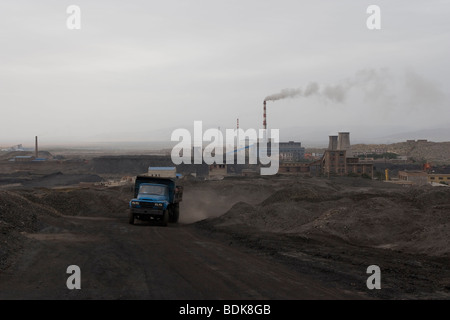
(155, 190)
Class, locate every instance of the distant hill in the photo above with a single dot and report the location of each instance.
(434, 134)
(420, 151)
(434, 152)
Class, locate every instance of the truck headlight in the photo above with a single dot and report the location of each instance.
(159, 205)
(134, 203)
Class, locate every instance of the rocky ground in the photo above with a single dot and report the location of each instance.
(328, 229)
(413, 220)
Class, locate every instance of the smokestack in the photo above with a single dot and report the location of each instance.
(332, 145)
(344, 143)
(237, 124)
(264, 116)
(36, 150)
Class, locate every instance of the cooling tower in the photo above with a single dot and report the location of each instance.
(333, 143)
(344, 143)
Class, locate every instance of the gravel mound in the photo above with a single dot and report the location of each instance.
(424, 197)
(26, 211)
(84, 202)
(415, 220)
(299, 192)
(17, 214)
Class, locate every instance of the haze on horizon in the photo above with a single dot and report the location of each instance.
(137, 70)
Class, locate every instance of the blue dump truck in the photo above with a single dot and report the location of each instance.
(155, 199)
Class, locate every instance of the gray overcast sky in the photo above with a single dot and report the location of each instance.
(139, 69)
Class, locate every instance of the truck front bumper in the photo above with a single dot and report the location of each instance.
(147, 214)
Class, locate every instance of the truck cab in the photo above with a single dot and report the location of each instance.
(155, 199)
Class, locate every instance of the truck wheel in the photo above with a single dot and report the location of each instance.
(175, 213)
(130, 217)
(165, 218)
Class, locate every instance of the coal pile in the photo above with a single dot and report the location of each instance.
(415, 220)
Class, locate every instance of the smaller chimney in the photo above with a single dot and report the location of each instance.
(264, 116)
(36, 150)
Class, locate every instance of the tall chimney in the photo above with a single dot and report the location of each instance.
(332, 145)
(36, 150)
(264, 116)
(344, 143)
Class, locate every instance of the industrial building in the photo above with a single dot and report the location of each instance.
(334, 162)
(217, 171)
(291, 151)
(415, 177)
(293, 167)
(338, 158)
(18, 147)
(439, 178)
(167, 172)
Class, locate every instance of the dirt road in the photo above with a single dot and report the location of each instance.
(120, 261)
